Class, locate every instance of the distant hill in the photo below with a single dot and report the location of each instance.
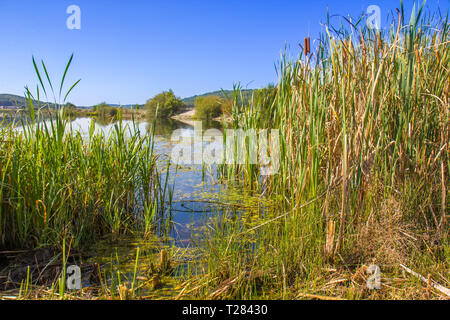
(221, 93)
(11, 100)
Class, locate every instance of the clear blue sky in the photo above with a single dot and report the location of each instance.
(128, 51)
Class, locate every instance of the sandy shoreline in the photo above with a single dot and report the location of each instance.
(188, 117)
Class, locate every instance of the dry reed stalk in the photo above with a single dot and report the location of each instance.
(429, 281)
(443, 221)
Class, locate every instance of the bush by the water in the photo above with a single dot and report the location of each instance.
(166, 103)
(70, 109)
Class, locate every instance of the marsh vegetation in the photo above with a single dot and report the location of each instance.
(363, 179)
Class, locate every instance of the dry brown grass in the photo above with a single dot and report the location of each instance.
(386, 236)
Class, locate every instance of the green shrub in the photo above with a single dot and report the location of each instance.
(106, 111)
(167, 104)
(208, 107)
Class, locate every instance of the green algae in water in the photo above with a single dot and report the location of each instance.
(119, 266)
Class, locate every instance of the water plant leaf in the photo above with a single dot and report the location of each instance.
(64, 75)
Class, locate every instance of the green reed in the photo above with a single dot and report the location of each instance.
(55, 183)
(362, 121)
